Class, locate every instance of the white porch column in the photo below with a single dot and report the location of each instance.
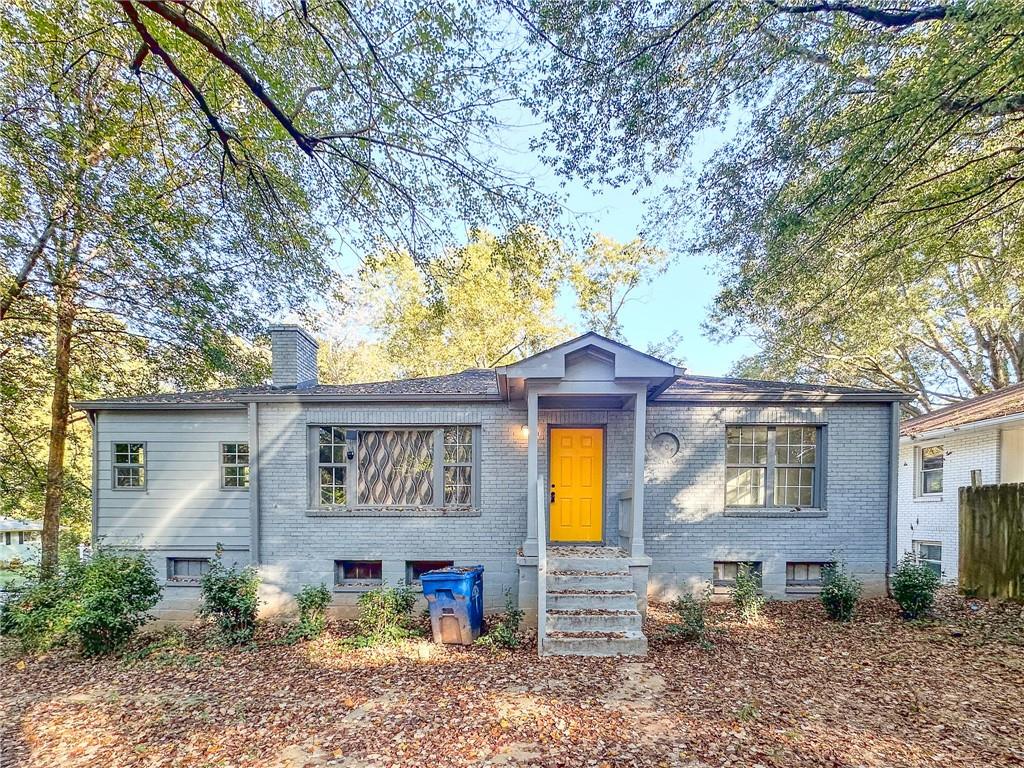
(639, 449)
(530, 545)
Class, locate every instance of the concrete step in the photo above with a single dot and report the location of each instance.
(595, 644)
(593, 564)
(589, 581)
(591, 621)
(574, 600)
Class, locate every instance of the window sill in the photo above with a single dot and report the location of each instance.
(182, 583)
(393, 512)
(928, 499)
(803, 590)
(358, 586)
(781, 512)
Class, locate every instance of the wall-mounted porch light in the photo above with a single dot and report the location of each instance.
(524, 430)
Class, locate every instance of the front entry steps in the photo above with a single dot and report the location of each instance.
(591, 606)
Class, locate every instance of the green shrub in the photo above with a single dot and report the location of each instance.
(100, 604)
(313, 602)
(385, 615)
(746, 593)
(505, 634)
(694, 623)
(40, 614)
(117, 591)
(840, 591)
(914, 586)
(230, 598)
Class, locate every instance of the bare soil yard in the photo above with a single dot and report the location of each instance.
(795, 690)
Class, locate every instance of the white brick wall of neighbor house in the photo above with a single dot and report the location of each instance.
(982, 450)
(186, 499)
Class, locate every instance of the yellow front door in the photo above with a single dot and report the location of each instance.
(577, 482)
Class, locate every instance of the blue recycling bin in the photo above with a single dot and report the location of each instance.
(455, 596)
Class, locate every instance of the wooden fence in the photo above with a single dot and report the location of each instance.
(992, 540)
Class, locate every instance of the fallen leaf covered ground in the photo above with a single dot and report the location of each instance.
(792, 690)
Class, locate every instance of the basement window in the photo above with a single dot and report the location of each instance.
(414, 569)
(189, 570)
(349, 573)
(805, 576)
(725, 571)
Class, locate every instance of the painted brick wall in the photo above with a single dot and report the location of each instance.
(297, 548)
(686, 529)
(936, 518)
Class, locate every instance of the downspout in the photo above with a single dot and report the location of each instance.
(894, 460)
(94, 422)
(254, 484)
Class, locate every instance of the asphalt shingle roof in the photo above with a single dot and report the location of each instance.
(690, 384)
(472, 383)
(1003, 402)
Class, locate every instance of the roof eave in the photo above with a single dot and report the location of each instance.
(90, 406)
(784, 397)
(933, 434)
(447, 397)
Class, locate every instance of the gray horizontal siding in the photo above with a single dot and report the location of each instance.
(183, 504)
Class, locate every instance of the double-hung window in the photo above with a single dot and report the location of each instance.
(234, 465)
(930, 465)
(415, 467)
(772, 466)
(129, 465)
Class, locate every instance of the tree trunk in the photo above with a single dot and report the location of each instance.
(59, 417)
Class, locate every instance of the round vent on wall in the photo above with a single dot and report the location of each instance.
(665, 445)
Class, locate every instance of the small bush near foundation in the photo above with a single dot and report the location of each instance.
(694, 623)
(840, 591)
(313, 602)
(505, 634)
(116, 593)
(914, 586)
(230, 598)
(385, 615)
(746, 593)
(39, 616)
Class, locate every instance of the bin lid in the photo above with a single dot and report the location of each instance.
(452, 570)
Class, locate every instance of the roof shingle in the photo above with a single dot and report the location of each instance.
(1002, 402)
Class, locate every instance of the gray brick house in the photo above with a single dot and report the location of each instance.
(615, 475)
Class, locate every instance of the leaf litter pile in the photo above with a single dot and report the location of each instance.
(792, 690)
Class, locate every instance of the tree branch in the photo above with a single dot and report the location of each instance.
(880, 16)
(180, 22)
(147, 38)
(14, 290)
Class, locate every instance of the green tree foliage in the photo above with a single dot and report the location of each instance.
(872, 158)
(489, 302)
(606, 277)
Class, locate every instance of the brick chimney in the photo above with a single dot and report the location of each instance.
(293, 356)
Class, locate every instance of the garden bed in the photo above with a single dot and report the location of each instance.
(792, 690)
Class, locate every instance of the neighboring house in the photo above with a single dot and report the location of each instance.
(363, 484)
(20, 541)
(979, 440)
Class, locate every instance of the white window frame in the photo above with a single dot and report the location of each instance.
(918, 544)
(919, 471)
(352, 460)
(768, 468)
(225, 464)
(115, 465)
